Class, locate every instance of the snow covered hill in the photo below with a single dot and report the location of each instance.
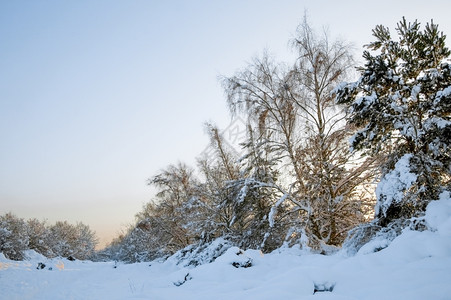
(416, 265)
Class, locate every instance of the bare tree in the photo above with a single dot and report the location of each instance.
(294, 108)
(176, 185)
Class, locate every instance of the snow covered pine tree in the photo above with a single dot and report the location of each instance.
(401, 105)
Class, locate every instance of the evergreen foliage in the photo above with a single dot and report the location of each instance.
(401, 106)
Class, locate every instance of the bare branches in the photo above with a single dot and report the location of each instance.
(296, 109)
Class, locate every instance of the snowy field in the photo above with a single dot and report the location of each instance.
(416, 265)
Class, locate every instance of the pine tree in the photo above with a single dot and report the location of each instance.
(401, 106)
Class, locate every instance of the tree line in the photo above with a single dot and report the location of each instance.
(61, 239)
(327, 161)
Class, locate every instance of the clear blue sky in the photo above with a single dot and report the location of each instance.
(97, 96)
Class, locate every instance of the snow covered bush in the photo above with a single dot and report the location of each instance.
(68, 240)
(236, 257)
(401, 106)
(202, 253)
(39, 237)
(13, 236)
(143, 241)
(60, 239)
(369, 237)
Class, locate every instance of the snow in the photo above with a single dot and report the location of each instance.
(415, 91)
(445, 93)
(437, 215)
(394, 184)
(415, 265)
(274, 209)
(439, 122)
(366, 100)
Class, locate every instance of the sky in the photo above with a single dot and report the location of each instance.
(97, 96)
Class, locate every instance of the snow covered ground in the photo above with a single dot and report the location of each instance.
(416, 265)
